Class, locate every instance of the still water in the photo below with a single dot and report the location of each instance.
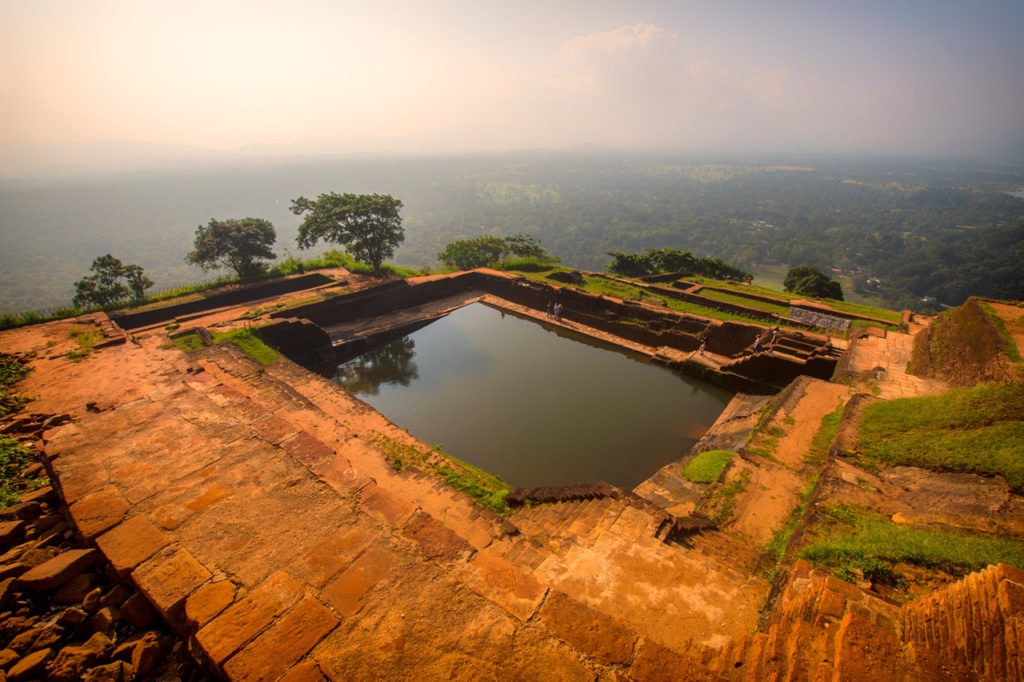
(532, 405)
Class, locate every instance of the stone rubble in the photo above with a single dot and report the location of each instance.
(64, 615)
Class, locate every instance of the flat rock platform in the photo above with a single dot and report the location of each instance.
(257, 509)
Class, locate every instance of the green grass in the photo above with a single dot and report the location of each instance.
(854, 539)
(249, 343)
(864, 310)
(976, 430)
(720, 503)
(486, 489)
(777, 309)
(187, 342)
(11, 372)
(707, 466)
(86, 338)
(823, 438)
(13, 457)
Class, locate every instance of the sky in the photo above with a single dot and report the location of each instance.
(923, 77)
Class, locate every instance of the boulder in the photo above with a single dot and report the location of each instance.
(30, 667)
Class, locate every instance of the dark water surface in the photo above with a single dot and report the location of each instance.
(532, 406)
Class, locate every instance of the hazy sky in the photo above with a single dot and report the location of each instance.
(895, 76)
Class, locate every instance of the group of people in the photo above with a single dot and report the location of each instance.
(772, 339)
(555, 310)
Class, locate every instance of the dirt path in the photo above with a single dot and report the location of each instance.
(777, 466)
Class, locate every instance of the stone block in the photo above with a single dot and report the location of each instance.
(320, 562)
(345, 593)
(31, 667)
(307, 448)
(243, 620)
(273, 429)
(208, 601)
(58, 570)
(130, 543)
(99, 512)
(500, 582)
(390, 508)
(587, 630)
(168, 578)
(306, 671)
(137, 610)
(436, 540)
(284, 643)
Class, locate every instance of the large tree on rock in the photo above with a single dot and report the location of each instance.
(240, 244)
(367, 225)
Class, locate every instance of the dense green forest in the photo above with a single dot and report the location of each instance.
(899, 231)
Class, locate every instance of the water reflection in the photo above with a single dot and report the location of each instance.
(390, 364)
(535, 407)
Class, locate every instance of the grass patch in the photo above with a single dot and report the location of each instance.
(823, 438)
(486, 489)
(780, 539)
(249, 343)
(13, 458)
(719, 505)
(11, 372)
(86, 339)
(707, 466)
(860, 541)
(865, 310)
(974, 430)
(188, 342)
(724, 297)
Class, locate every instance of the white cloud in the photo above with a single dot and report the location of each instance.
(623, 39)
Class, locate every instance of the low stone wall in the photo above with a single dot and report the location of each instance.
(238, 296)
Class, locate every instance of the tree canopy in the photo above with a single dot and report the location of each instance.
(467, 254)
(111, 282)
(654, 261)
(808, 280)
(367, 225)
(240, 244)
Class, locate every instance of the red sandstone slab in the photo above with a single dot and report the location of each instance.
(390, 508)
(436, 540)
(339, 473)
(283, 644)
(589, 631)
(318, 564)
(168, 578)
(654, 663)
(307, 671)
(98, 512)
(500, 582)
(228, 632)
(58, 570)
(81, 480)
(345, 593)
(307, 448)
(130, 543)
(204, 604)
(273, 429)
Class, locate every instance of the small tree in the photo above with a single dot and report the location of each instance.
(808, 280)
(239, 244)
(367, 225)
(111, 282)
